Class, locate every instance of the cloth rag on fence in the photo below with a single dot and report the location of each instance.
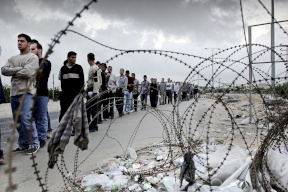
(74, 118)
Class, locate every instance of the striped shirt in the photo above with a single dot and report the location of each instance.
(72, 79)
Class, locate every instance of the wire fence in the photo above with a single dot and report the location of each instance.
(188, 131)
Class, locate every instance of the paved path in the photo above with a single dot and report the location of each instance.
(106, 145)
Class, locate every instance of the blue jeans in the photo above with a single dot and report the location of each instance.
(127, 101)
(41, 117)
(27, 129)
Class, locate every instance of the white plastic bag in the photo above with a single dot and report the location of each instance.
(132, 154)
(94, 180)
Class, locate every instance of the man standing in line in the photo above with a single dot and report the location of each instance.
(135, 91)
(112, 85)
(122, 87)
(153, 93)
(93, 85)
(195, 92)
(41, 104)
(176, 91)
(144, 90)
(162, 90)
(191, 91)
(128, 94)
(168, 91)
(99, 117)
(172, 90)
(72, 82)
(22, 68)
(104, 92)
(157, 83)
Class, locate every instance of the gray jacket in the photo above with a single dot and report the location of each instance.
(162, 86)
(76, 117)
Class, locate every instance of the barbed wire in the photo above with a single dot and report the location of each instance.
(175, 125)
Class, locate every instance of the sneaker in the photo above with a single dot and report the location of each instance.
(32, 150)
(42, 143)
(49, 135)
(19, 150)
(2, 161)
(131, 111)
(92, 130)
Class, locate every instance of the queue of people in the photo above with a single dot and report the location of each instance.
(104, 92)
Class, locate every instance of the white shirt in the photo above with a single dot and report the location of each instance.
(169, 86)
(112, 83)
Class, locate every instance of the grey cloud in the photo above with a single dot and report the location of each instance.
(169, 16)
(172, 17)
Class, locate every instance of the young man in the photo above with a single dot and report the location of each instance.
(128, 94)
(72, 82)
(99, 116)
(22, 68)
(112, 85)
(104, 92)
(135, 91)
(195, 92)
(42, 99)
(122, 87)
(153, 93)
(144, 90)
(176, 93)
(162, 89)
(157, 83)
(93, 85)
(169, 91)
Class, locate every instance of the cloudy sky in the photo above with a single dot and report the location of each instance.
(187, 26)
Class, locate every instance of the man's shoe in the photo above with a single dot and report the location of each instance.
(42, 143)
(19, 150)
(32, 150)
